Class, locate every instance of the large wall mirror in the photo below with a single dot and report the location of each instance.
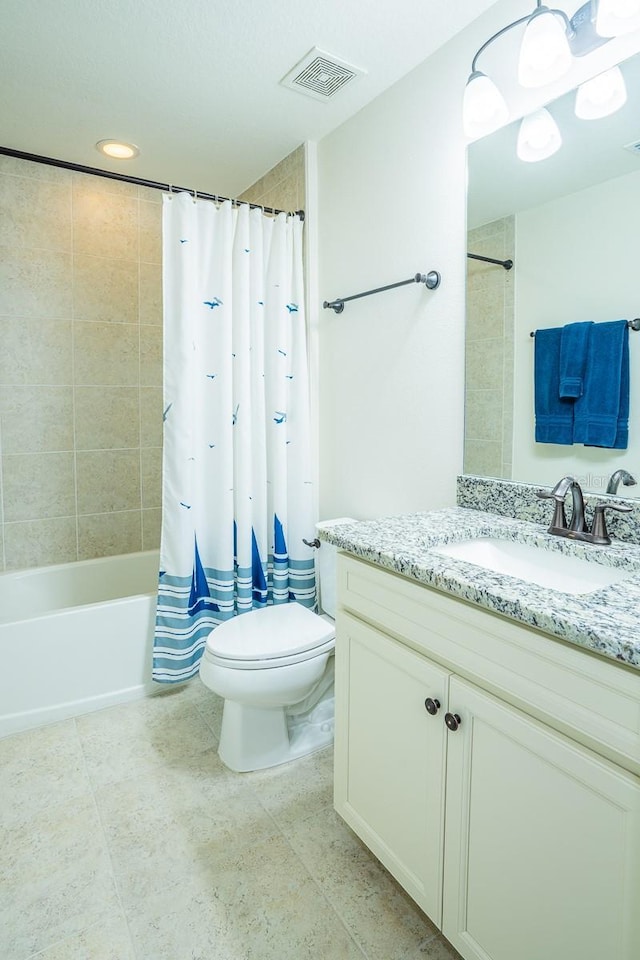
(571, 224)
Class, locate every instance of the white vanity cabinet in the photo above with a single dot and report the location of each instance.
(518, 829)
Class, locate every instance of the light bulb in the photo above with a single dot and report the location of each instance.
(544, 55)
(538, 137)
(117, 149)
(483, 107)
(617, 17)
(601, 96)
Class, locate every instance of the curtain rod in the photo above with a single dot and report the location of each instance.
(126, 178)
(507, 264)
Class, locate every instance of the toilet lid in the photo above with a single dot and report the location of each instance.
(270, 633)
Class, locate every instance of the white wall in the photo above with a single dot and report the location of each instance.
(577, 259)
(391, 204)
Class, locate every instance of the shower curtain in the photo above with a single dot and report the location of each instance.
(237, 495)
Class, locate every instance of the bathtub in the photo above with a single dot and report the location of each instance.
(75, 637)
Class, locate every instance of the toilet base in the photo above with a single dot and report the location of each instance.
(254, 738)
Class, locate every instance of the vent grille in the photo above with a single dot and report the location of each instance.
(320, 75)
(633, 147)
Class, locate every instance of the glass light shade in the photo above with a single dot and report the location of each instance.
(117, 149)
(483, 108)
(538, 137)
(545, 54)
(601, 96)
(617, 17)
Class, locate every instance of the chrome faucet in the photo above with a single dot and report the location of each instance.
(577, 529)
(620, 475)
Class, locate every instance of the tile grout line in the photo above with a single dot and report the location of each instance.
(73, 372)
(332, 909)
(140, 463)
(105, 840)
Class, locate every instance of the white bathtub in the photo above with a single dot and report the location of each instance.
(75, 637)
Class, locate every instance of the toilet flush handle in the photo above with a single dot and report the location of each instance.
(311, 543)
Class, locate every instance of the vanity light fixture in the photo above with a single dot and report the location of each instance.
(538, 137)
(549, 43)
(545, 55)
(601, 96)
(117, 149)
(617, 17)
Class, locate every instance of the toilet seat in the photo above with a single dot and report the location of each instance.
(270, 637)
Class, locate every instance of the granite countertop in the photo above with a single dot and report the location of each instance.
(606, 621)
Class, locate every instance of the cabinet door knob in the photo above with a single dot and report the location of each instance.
(432, 706)
(452, 720)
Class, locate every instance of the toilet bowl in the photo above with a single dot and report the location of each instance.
(262, 662)
(274, 669)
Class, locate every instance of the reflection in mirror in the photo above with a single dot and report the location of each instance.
(570, 223)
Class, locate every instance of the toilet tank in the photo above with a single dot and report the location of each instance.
(326, 556)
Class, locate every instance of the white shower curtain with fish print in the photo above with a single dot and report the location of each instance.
(237, 495)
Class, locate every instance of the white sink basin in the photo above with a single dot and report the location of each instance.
(546, 568)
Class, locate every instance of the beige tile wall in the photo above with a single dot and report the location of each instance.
(283, 187)
(80, 365)
(489, 353)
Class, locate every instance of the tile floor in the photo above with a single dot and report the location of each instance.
(123, 837)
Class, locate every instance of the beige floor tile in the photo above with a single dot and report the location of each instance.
(55, 878)
(126, 837)
(133, 739)
(261, 904)
(179, 823)
(208, 703)
(294, 791)
(107, 940)
(435, 948)
(380, 916)
(39, 769)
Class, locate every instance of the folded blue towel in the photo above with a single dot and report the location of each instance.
(573, 358)
(602, 412)
(554, 416)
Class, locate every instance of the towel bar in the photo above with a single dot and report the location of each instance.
(632, 324)
(431, 280)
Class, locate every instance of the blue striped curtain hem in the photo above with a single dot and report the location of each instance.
(181, 633)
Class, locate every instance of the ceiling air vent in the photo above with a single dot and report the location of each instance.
(633, 147)
(320, 75)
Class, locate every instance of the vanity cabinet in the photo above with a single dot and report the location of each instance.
(515, 829)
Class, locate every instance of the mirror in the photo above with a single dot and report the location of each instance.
(570, 224)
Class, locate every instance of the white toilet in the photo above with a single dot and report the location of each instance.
(274, 668)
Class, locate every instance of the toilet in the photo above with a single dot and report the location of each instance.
(274, 669)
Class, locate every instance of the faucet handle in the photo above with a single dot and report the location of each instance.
(599, 532)
(559, 521)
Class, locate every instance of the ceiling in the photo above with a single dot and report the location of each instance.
(196, 83)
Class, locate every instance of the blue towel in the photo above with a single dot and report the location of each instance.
(554, 416)
(573, 358)
(602, 412)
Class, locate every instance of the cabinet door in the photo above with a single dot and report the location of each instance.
(542, 845)
(389, 779)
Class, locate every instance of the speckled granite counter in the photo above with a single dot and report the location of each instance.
(606, 621)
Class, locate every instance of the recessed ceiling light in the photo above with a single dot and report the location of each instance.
(117, 149)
